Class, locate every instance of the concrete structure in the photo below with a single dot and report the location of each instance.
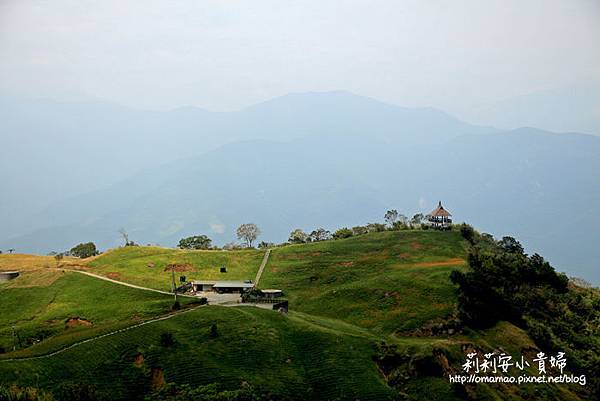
(7, 276)
(222, 287)
(272, 293)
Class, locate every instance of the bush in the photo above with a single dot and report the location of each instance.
(297, 237)
(467, 233)
(167, 339)
(16, 393)
(195, 242)
(342, 233)
(359, 230)
(79, 392)
(84, 250)
(375, 227)
(214, 331)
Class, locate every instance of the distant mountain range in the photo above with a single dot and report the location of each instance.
(299, 161)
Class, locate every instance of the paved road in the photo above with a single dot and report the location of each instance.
(262, 267)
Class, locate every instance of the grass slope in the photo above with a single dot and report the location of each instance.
(39, 302)
(346, 297)
(388, 281)
(145, 266)
(292, 358)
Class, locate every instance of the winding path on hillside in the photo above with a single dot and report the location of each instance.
(139, 287)
(158, 319)
(262, 267)
(87, 340)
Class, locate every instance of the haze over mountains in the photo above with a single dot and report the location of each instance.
(76, 172)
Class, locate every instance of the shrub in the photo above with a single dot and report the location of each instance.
(297, 237)
(359, 230)
(167, 339)
(195, 242)
(342, 233)
(320, 234)
(84, 250)
(79, 392)
(467, 232)
(375, 227)
(214, 331)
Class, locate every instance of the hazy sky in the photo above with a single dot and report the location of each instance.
(222, 55)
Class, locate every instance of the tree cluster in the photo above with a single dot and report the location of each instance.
(195, 242)
(504, 283)
(84, 250)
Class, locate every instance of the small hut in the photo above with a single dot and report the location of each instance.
(440, 218)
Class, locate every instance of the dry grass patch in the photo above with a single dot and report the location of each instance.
(34, 278)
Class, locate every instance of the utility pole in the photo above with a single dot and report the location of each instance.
(15, 338)
(173, 282)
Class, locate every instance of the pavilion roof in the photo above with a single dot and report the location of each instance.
(440, 211)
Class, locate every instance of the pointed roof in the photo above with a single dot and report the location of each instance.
(440, 211)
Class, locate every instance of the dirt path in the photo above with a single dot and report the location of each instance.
(87, 340)
(448, 262)
(262, 267)
(122, 282)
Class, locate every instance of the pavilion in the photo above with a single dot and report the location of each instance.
(440, 218)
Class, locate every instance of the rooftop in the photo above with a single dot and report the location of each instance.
(223, 284)
(440, 211)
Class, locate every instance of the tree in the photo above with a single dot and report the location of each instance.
(265, 245)
(391, 216)
(320, 234)
(468, 233)
(342, 233)
(511, 245)
(417, 219)
(375, 227)
(126, 238)
(84, 250)
(248, 232)
(297, 237)
(359, 230)
(195, 242)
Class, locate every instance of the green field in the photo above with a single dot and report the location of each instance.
(145, 266)
(356, 306)
(39, 303)
(388, 281)
(284, 354)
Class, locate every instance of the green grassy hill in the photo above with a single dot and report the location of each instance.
(145, 266)
(39, 304)
(387, 281)
(359, 326)
(285, 355)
